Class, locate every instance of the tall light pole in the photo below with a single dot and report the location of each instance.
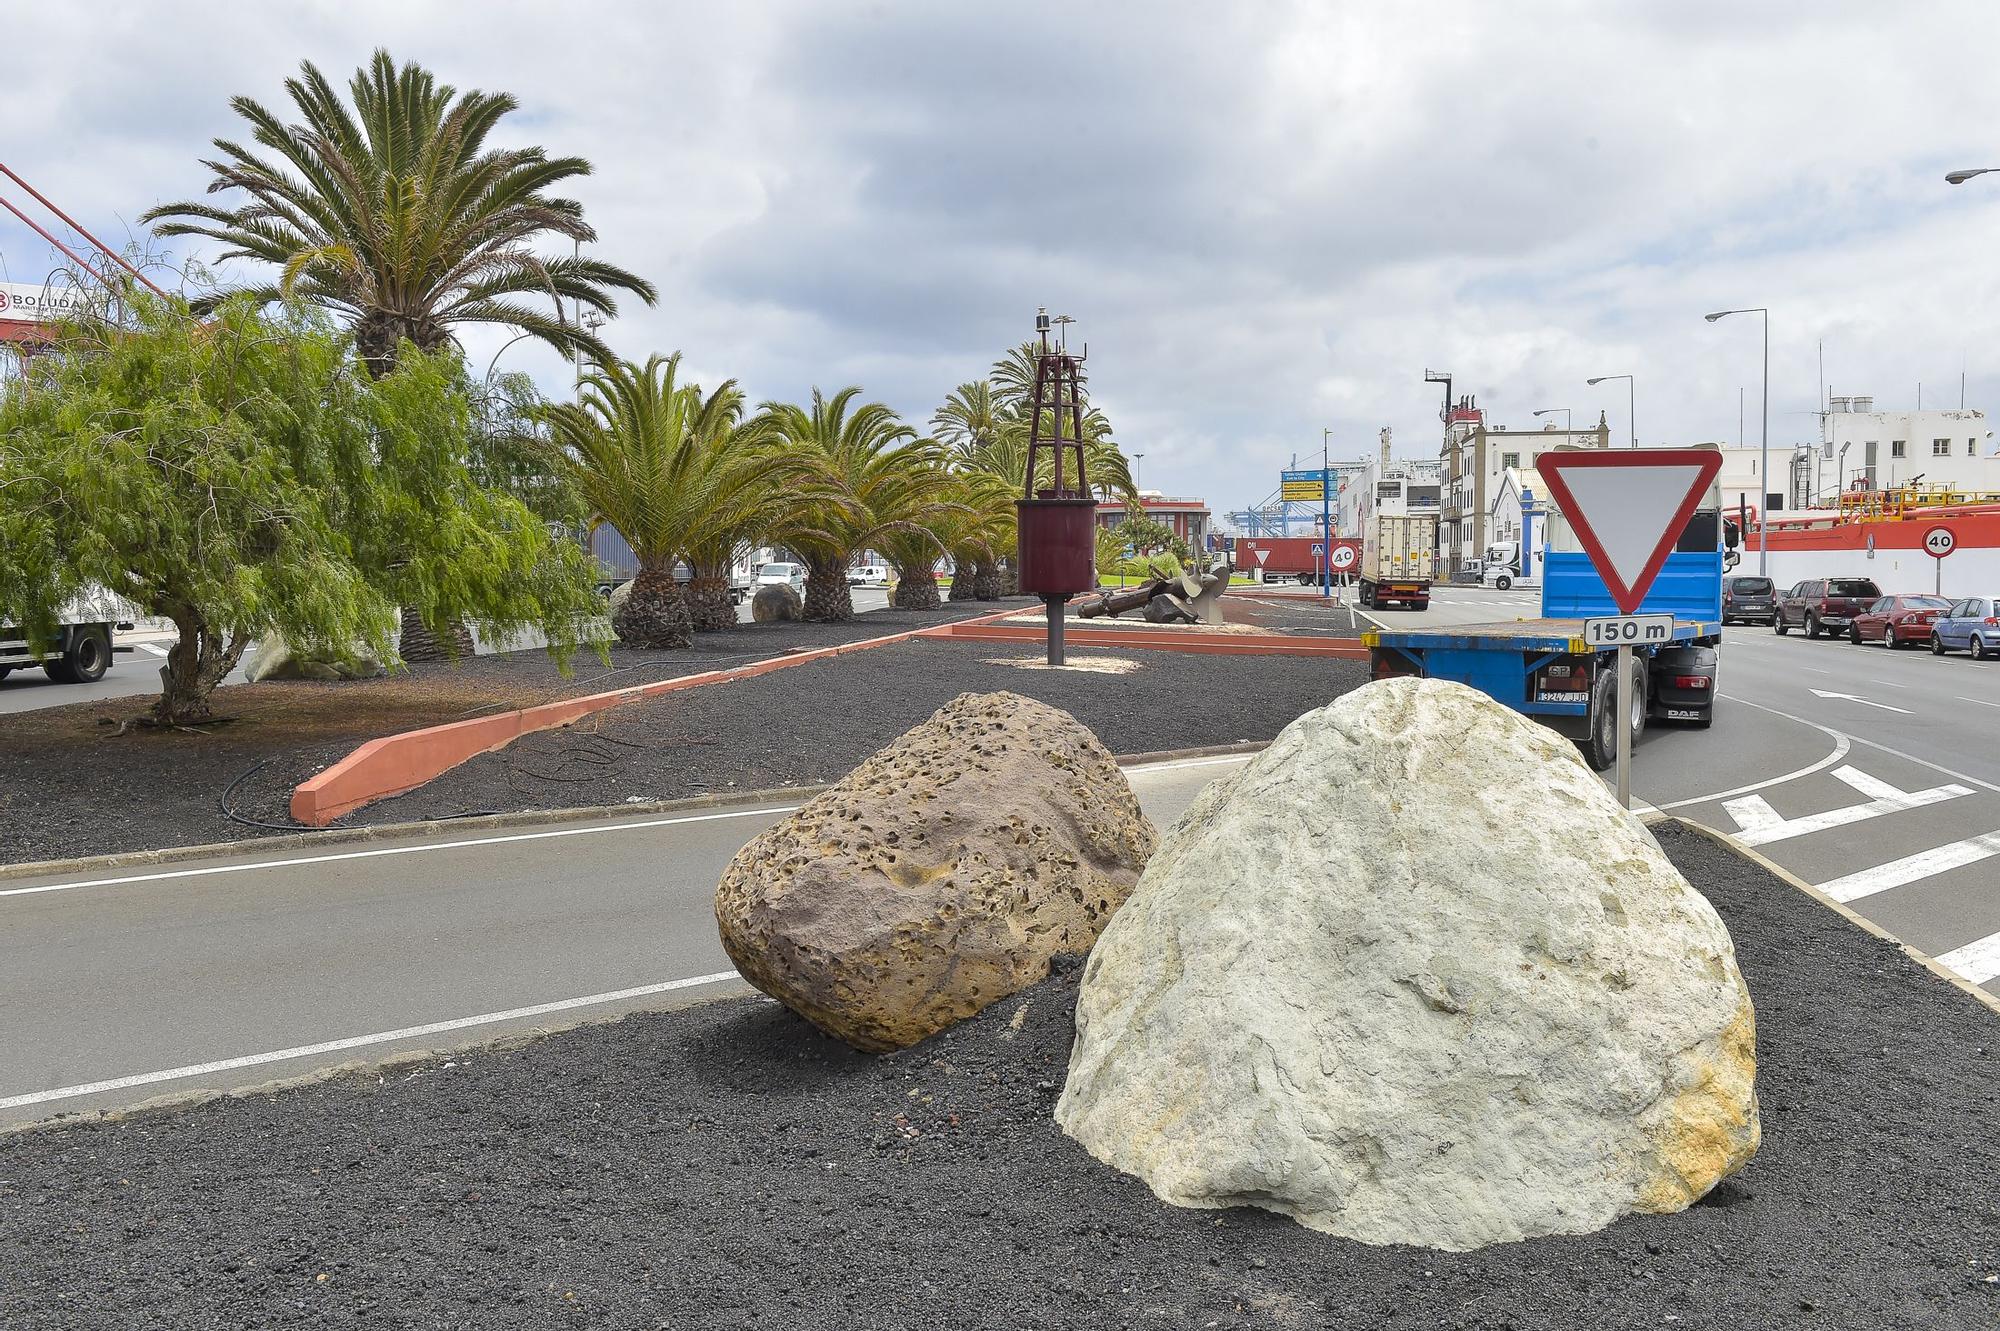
(1550, 411)
(1631, 401)
(496, 355)
(1326, 513)
(1764, 443)
(1138, 471)
(1960, 177)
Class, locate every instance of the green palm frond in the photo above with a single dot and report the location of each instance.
(390, 207)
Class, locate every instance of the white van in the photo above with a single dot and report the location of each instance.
(792, 575)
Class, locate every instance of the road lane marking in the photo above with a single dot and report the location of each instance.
(1816, 670)
(1890, 682)
(358, 1041)
(1913, 868)
(1873, 744)
(155, 650)
(471, 842)
(217, 869)
(1981, 701)
(1760, 824)
(1189, 762)
(1841, 745)
(1857, 698)
(1978, 962)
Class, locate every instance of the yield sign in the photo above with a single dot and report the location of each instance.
(1262, 555)
(1627, 507)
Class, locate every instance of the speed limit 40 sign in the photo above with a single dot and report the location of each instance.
(1343, 557)
(1939, 542)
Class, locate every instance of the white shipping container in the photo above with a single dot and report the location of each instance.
(1399, 548)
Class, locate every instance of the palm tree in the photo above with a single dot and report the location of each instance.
(397, 215)
(649, 456)
(970, 419)
(789, 483)
(882, 480)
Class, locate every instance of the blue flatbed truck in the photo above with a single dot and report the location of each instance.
(1543, 667)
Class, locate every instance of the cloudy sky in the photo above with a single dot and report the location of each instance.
(1268, 219)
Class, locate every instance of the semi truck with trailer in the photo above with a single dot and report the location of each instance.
(1545, 669)
(1398, 560)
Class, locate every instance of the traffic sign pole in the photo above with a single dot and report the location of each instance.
(1939, 542)
(1326, 531)
(1624, 724)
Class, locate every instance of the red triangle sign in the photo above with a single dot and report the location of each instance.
(1627, 507)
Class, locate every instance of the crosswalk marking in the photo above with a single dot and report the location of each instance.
(154, 648)
(1977, 962)
(1913, 868)
(1761, 824)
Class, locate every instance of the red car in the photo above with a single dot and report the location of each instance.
(1898, 621)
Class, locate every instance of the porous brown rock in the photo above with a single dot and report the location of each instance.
(940, 875)
(774, 603)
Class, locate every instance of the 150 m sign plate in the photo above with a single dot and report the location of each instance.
(1629, 631)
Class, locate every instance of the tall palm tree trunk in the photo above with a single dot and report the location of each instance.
(916, 586)
(828, 600)
(418, 643)
(709, 603)
(654, 614)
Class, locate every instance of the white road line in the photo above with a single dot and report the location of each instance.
(1983, 702)
(1143, 769)
(357, 1041)
(1978, 962)
(427, 848)
(1890, 682)
(1873, 744)
(1913, 868)
(1760, 824)
(1816, 670)
(153, 648)
(1841, 745)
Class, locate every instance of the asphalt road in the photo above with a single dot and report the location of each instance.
(123, 976)
(1873, 774)
(135, 667)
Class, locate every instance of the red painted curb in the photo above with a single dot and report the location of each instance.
(396, 763)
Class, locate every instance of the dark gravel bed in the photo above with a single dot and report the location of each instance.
(815, 722)
(71, 785)
(724, 1166)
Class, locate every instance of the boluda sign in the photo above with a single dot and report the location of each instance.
(21, 303)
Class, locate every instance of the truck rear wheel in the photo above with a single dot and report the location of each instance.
(1600, 750)
(86, 659)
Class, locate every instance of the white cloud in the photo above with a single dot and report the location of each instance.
(1267, 218)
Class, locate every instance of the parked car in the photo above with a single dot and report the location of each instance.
(1897, 621)
(1820, 605)
(1748, 599)
(793, 575)
(1971, 625)
(868, 575)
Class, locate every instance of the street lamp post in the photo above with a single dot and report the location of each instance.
(1960, 177)
(1763, 445)
(518, 337)
(1631, 401)
(1326, 514)
(1550, 411)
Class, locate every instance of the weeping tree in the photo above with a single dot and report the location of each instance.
(390, 210)
(880, 482)
(674, 473)
(247, 476)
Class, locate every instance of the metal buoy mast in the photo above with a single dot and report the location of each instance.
(1057, 522)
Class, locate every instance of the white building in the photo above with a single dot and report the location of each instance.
(1476, 457)
(1862, 448)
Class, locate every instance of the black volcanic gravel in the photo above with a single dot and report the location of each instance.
(815, 722)
(724, 1166)
(71, 786)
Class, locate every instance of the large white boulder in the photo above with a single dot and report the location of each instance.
(1411, 976)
